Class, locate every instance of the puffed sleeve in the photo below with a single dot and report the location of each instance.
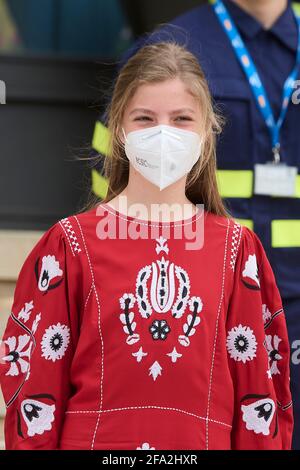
(38, 344)
(258, 353)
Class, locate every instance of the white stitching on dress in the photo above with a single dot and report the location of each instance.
(100, 333)
(64, 230)
(88, 296)
(71, 235)
(165, 408)
(216, 334)
(235, 242)
(151, 224)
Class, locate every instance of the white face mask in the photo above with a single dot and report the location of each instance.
(162, 154)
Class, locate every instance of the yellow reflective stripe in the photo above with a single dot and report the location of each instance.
(239, 183)
(99, 184)
(296, 8)
(235, 183)
(285, 233)
(101, 138)
(247, 222)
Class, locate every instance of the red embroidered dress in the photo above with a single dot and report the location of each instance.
(141, 343)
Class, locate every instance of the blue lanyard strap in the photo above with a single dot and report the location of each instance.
(253, 76)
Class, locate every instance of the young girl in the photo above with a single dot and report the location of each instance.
(134, 331)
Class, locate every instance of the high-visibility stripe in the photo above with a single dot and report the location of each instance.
(285, 233)
(296, 8)
(101, 139)
(247, 222)
(235, 183)
(99, 184)
(238, 183)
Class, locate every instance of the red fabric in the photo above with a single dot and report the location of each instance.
(143, 343)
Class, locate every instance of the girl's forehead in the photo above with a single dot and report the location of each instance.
(170, 93)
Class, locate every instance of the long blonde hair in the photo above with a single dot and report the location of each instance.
(155, 63)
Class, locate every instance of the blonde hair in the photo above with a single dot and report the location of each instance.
(155, 63)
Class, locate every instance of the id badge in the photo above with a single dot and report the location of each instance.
(275, 179)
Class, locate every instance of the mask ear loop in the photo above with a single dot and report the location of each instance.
(124, 134)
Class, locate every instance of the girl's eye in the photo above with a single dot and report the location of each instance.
(142, 118)
(184, 118)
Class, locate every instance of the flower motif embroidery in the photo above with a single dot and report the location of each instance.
(189, 328)
(18, 357)
(174, 355)
(145, 446)
(241, 344)
(266, 313)
(127, 300)
(35, 323)
(49, 270)
(258, 416)
(139, 354)
(127, 318)
(55, 342)
(251, 273)
(163, 289)
(272, 346)
(155, 370)
(25, 312)
(37, 415)
(159, 329)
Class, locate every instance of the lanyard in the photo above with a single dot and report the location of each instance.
(254, 79)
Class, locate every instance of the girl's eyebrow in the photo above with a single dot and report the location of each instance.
(148, 111)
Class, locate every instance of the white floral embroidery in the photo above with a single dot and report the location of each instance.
(18, 358)
(241, 343)
(127, 318)
(183, 293)
(142, 292)
(130, 300)
(266, 313)
(49, 270)
(258, 416)
(35, 323)
(162, 290)
(155, 370)
(272, 346)
(174, 355)
(189, 328)
(161, 245)
(145, 446)
(169, 295)
(37, 415)
(55, 342)
(251, 270)
(25, 313)
(139, 354)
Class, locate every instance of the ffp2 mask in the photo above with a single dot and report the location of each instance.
(162, 154)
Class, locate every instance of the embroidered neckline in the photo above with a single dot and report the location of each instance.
(150, 223)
